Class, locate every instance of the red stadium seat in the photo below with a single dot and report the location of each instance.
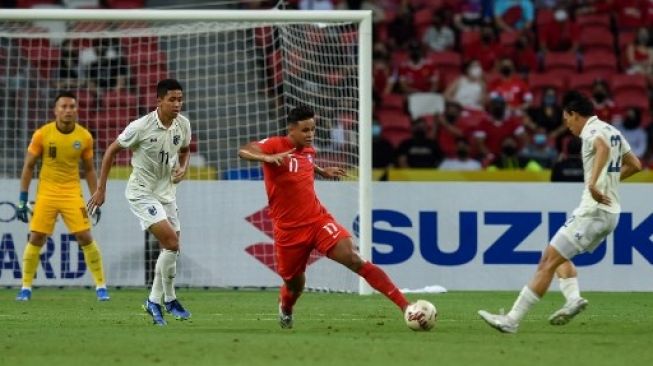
(600, 63)
(389, 118)
(623, 82)
(31, 3)
(562, 62)
(598, 40)
(508, 39)
(446, 62)
(121, 99)
(582, 83)
(399, 57)
(637, 100)
(544, 17)
(594, 22)
(422, 18)
(394, 102)
(86, 104)
(469, 38)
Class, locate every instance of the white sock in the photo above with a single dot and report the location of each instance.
(157, 284)
(569, 288)
(526, 299)
(168, 272)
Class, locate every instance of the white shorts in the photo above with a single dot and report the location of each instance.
(584, 231)
(150, 211)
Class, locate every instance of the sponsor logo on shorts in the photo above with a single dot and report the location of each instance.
(152, 210)
(77, 145)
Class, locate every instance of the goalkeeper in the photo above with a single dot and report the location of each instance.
(60, 145)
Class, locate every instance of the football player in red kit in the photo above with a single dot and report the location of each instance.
(299, 227)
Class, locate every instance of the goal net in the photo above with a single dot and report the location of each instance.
(241, 73)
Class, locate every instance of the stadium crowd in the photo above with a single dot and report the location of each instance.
(477, 84)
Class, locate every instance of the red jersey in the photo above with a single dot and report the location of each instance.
(513, 90)
(422, 77)
(290, 186)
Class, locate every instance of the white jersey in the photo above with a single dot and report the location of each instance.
(155, 153)
(609, 178)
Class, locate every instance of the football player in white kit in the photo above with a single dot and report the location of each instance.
(160, 144)
(607, 159)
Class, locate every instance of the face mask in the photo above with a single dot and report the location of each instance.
(599, 97)
(450, 117)
(498, 112)
(476, 72)
(560, 15)
(462, 153)
(506, 70)
(631, 123)
(419, 133)
(415, 56)
(509, 150)
(539, 139)
(549, 100)
(486, 38)
(376, 130)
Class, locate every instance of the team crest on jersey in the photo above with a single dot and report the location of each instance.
(310, 158)
(77, 145)
(175, 139)
(152, 210)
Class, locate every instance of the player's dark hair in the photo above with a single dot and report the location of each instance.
(300, 113)
(574, 101)
(64, 94)
(164, 86)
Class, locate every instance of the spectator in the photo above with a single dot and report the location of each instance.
(496, 128)
(470, 14)
(631, 128)
(468, 90)
(69, 69)
(418, 151)
(604, 106)
(508, 158)
(639, 56)
(523, 55)
(438, 36)
(486, 51)
(448, 128)
(462, 160)
(382, 74)
(561, 36)
(514, 15)
(570, 167)
(401, 29)
(547, 115)
(417, 75)
(511, 87)
(383, 153)
(109, 71)
(538, 150)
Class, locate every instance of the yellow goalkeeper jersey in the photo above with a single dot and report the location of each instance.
(60, 154)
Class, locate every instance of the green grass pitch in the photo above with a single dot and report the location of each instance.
(69, 327)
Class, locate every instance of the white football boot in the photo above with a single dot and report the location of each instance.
(564, 315)
(502, 323)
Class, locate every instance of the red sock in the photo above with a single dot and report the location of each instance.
(288, 299)
(382, 283)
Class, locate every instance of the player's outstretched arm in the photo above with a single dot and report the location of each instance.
(252, 152)
(330, 172)
(97, 198)
(630, 165)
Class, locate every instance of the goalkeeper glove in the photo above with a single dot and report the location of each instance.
(22, 213)
(96, 215)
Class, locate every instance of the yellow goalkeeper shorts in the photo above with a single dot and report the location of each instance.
(47, 208)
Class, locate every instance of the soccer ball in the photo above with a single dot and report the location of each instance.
(420, 315)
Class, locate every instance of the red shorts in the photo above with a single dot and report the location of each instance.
(293, 246)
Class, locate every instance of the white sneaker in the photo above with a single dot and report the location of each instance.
(285, 320)
(564, 315)
(499, 322)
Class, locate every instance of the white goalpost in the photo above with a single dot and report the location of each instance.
(241, 72)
